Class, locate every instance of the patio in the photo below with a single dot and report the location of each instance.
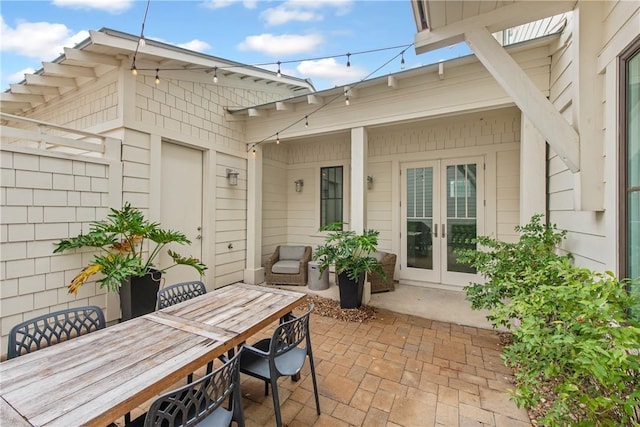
(396, 370)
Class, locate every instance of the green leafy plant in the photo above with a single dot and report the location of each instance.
(121, 239)
(348, 251)
(577, 341)
(505, 265)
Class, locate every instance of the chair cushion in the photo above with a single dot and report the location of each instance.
(378, 255)
(291, 252)
(286, 267)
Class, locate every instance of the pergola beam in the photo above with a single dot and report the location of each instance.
(61, 70)
(544, 116)
(39, 80)
(90, 57)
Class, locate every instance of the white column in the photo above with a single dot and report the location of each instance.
(254, 272)
(532, 171)
(359, 146)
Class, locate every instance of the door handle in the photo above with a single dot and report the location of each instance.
(444, 233)
(435, 230)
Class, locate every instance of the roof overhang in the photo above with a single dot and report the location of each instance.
(106, 50)
(443, 23)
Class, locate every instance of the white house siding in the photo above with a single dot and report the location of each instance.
(46, 197)
(592, 236)
(494, 134)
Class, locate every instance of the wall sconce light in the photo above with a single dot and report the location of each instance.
(232, 176)
(299, 184)
(369, 182)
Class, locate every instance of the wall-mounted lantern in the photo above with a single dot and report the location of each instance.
(299, 184)
(232, 176)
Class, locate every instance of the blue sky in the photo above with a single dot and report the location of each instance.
(251, 32)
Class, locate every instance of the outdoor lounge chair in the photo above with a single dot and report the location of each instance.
(288, 265)
(388, 262)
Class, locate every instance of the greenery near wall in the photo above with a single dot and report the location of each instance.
(575, 350)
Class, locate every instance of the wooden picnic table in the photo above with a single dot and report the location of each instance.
(97, 378)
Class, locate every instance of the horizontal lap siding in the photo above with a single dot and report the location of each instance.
(591, 236)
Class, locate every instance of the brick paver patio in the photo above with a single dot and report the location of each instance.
(396, 370)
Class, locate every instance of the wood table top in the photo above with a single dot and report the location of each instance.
(97, 378)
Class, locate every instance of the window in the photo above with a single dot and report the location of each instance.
(331, 195)
(630, 163)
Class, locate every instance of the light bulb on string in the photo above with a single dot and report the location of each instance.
(348, 62)
(346, 97)
(306, 121)
(402, 60)
(157, 76)
(215, 75)
(253, 152)
(277, 138)
(134, 70)
(278, 73)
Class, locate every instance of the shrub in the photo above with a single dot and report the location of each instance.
(575, 346)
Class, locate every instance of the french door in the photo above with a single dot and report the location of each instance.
(442, 210)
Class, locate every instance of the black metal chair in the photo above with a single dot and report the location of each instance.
(179, 292)
(52, 328)
(201, 401)
(280, 356)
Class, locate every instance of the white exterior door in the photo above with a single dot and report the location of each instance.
(442, 210)
(181, 206)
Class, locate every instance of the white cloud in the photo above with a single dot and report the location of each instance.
(329, 69)
(282, 14)
(19, 75)
(195, 45)
(41, 40)
(111, 6)
(304, 10)
(285, 44)
(219, 4)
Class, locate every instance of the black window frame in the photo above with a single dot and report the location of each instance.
(325, 173)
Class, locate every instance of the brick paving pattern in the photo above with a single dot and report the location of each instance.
(396, 370)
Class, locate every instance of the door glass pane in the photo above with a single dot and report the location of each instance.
(419, 218)
(461, 214)
(633, 172)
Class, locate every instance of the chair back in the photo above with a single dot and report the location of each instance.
(190, 404)
(52, 328)
(290, 333)
(179, 292)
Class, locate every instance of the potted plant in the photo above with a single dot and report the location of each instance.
(123, 260)
(349, 253)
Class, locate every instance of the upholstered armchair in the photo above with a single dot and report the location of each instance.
(288, 265)
(388, 262)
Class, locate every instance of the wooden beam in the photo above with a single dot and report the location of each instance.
(515, 82)
(441, 70)
(90, 57)
(254, 112)
(12, 97)
(35, 90)
(282, 106)
(38, 80)
(392, 82)
(587, 106)
(67, 70)
(315, 100)
(518, 13)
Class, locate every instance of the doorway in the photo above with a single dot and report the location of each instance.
(181, 206)
(442, 211)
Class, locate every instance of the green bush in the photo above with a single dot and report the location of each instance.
(505, 265)
(575, 350)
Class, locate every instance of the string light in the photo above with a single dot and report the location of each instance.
(329, 102)
(277, 138)
(348, 62)
(215, 75)
(134, 70)
(402, 60)
(254, 152)
(278, 73)
(157, 76)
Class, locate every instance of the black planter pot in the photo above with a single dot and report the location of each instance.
(350, 291)
(138, 295)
